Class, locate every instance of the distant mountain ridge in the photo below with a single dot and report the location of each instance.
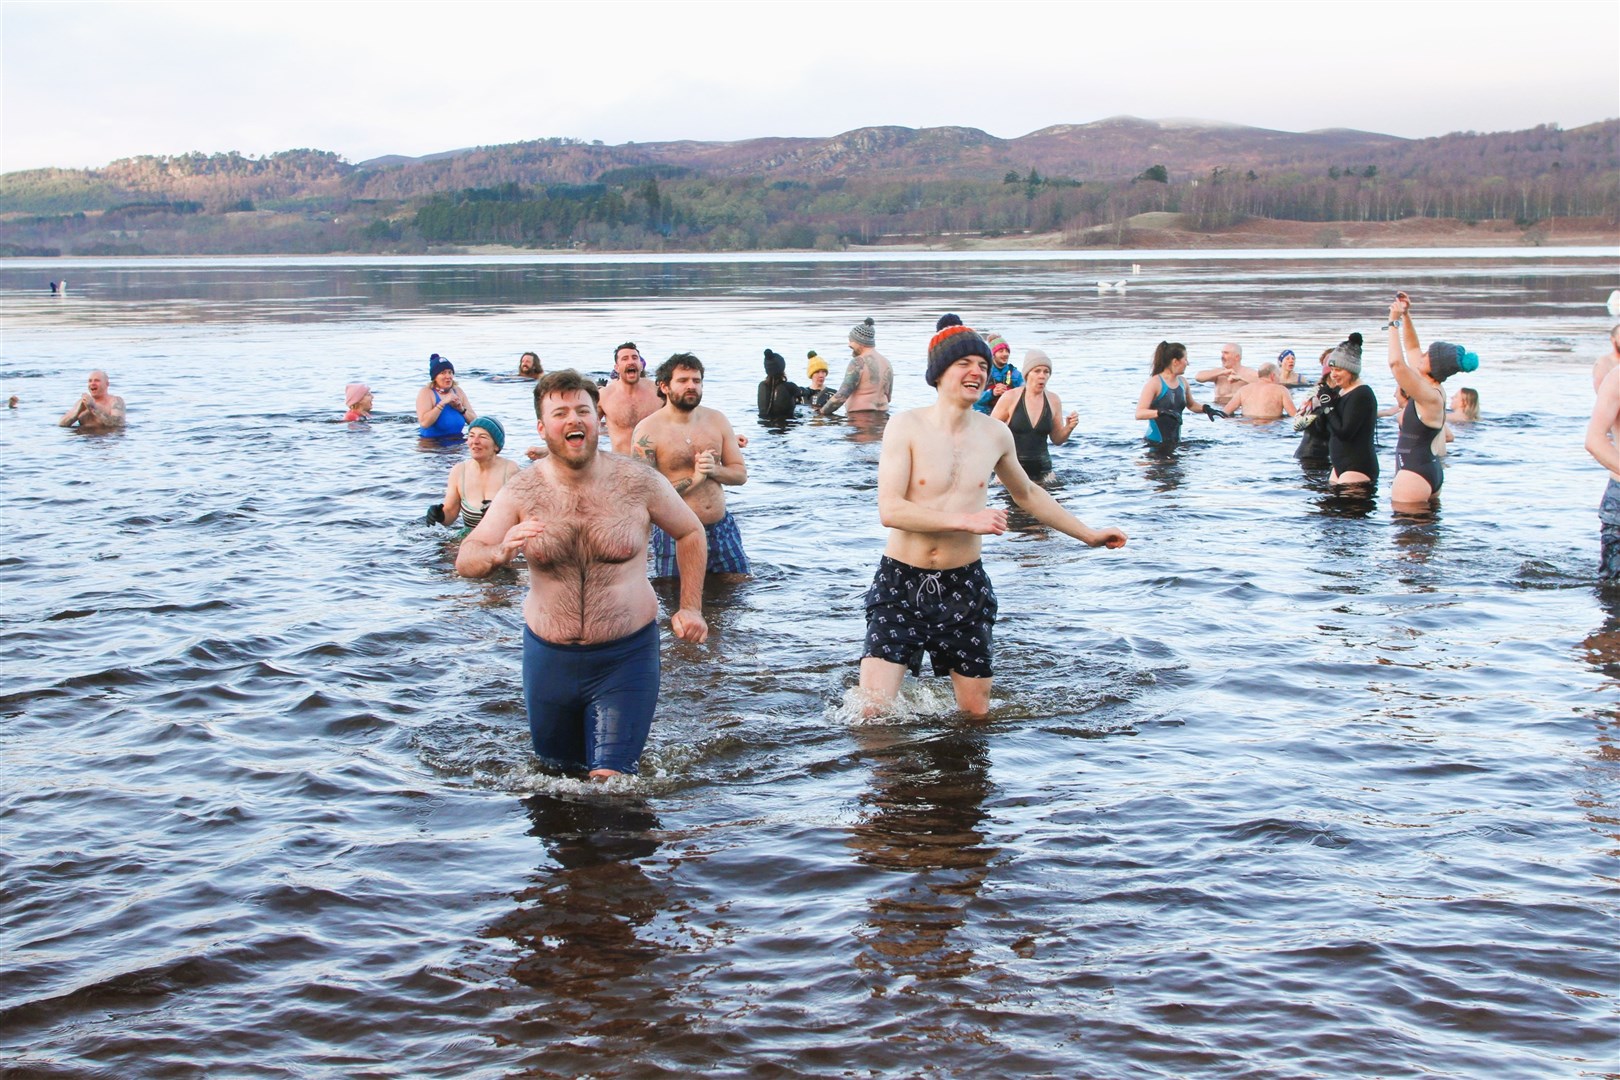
(873, 185)
(1112, 149)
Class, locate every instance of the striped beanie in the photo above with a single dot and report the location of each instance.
(950, 345)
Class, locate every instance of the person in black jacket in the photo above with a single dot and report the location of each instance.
(777, 396)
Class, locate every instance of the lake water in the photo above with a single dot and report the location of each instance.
(1288, 787)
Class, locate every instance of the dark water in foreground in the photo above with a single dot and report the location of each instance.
(1288, 787)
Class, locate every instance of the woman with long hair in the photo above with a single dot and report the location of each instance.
(1166, 395)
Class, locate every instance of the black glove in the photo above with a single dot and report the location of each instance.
(1212, 412)
(435, 514)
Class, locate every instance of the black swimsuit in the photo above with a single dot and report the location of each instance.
(1414, 449)
(1350, 433)
(1030, 439)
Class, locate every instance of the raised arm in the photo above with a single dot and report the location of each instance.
(70, 417)
(1403, 343)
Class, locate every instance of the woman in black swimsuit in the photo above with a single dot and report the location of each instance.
(1351, 419)
(1418, 474)
(1030, 412)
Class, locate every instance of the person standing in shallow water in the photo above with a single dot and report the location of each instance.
(1351, 419)
(930, 593)
(1031, 414)
(96, 409)
(1603, 443)
(696, 450)
(778, 398)
(869, 382)
(1418, 472)
(629, 399)
(1166, 395)
(590, 640)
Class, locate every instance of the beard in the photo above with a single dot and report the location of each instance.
(564, 452)
(688, 401)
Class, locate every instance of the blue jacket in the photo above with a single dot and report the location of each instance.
(1008, 376)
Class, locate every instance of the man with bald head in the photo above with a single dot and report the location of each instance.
(1230, 375)
(96, 410)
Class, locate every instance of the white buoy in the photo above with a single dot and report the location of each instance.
(1136, 268)
(1614, 302)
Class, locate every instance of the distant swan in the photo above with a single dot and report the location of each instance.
(1614, 302)
(1111, 286)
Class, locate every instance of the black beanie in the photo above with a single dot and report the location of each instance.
(775, 364)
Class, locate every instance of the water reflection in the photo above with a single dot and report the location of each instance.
(867, 427)
(923, 818)
(578, 925)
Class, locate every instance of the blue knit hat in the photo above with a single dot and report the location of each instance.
(436, 364)
(493, 426)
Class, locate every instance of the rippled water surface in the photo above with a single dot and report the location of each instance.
(1288, 787)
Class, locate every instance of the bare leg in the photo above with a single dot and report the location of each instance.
(972, 695)
(880, 683)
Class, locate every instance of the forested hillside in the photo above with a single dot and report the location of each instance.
(1085, 183)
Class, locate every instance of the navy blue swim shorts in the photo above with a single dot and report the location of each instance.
(947, 613)
(591, 706)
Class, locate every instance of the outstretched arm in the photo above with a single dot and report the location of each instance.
(1403, 346)
(851, 383)
(1047, 510)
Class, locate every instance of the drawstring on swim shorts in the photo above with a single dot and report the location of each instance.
(930, 582)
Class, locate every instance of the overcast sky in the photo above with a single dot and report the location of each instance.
(86, 83)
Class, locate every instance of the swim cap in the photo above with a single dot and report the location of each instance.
(865, 333)
(816, 364)
(436, 364)
(1347, 355)
(995, 341)
(493, 426)
(950, 345)
(1284, 354)
(1036, 358)
(775, 364)
(354, 393)
(1446, 359)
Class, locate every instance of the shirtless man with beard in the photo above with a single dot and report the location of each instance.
(930, 593)
(590, 639)
(629, 399)
(696, 450)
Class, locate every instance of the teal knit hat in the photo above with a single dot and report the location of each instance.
(493, 426)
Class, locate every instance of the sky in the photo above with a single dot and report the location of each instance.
(83, 84)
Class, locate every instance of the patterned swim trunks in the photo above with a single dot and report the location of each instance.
(1609, 533)
(948, 613)
(726, 554)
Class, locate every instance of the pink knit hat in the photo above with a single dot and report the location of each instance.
(354, 392)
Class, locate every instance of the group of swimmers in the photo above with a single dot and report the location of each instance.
(1339, 418)
(584, 521)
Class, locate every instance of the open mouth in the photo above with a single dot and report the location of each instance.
(575, 438)
(972, 384)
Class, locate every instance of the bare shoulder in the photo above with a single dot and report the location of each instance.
(633, 477)
(988, 427)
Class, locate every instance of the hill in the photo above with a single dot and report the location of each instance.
(1082, 182)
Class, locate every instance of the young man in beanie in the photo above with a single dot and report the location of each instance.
(869, 382)
(930, 592)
